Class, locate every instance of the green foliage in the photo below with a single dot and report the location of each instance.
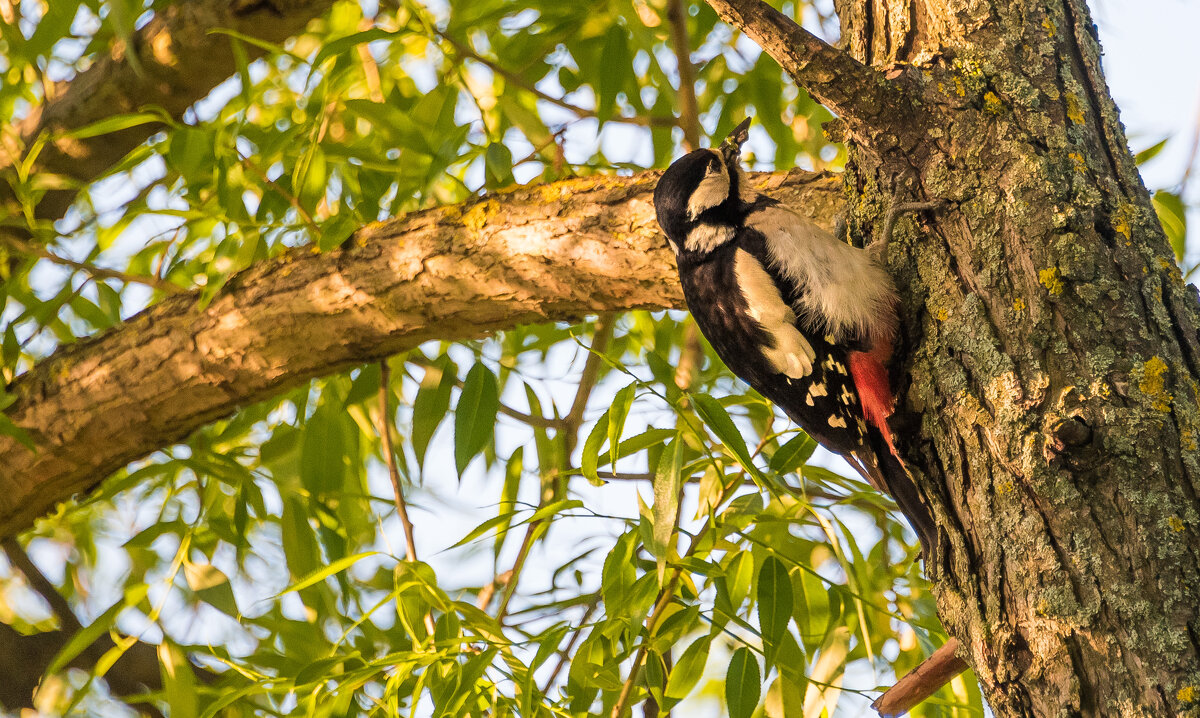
(266, 547)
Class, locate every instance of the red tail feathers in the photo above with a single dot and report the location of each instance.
(874, 391)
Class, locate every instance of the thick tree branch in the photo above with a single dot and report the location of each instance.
(850, 89)
(178, 63)
(548, 253)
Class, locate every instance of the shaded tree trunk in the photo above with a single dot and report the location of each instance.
(1052, 357)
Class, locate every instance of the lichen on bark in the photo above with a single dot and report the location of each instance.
(1051, 353)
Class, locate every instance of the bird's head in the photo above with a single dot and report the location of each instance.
(699, 199)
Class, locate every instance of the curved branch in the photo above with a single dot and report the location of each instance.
(850, 89)
(553, 252)
(178, 63)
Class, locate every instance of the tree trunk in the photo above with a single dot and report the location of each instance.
(1052, 357)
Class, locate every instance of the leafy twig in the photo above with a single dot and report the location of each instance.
(385, 435)
(97, 272)
(569, 431)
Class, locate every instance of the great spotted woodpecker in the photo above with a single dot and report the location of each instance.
(807, 320)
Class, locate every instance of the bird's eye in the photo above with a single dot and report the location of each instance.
(712, 169)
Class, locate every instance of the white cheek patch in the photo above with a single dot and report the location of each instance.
(792, 355)
(712, 191)
(707, 237)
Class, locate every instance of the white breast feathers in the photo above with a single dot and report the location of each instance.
(791, 354)
(847, 293)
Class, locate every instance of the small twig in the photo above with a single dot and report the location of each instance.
(489, 590)
(96, 272)
(39, 583)
(610, 476)
(565, 653)
(292, 199)
(922, 681)
(510, 587)
(539, 421)
(385, 434)
(587, 380)
(665, 594)
(466, 52)
(1190, 165)
(664, 599)
(689, 113)
(568, 429)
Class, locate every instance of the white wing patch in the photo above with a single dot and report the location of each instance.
(712, 190)
(707, 237)
(792, 355)
(848, 293)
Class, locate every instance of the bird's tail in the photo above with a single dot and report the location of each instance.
(887, 473)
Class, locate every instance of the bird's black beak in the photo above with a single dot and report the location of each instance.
(731, 148)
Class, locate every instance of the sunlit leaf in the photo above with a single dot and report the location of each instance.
(431, 404)
(475, 415)
(774, 605)
(688, 669)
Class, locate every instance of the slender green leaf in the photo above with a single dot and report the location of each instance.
(830, 667)
(323, 458)
(688, 669)
(717, 419)
(211, 586)
(431, 404)
(588, 461)
(618, 411)
(498, 166)
(323, 573)
(743, 684)
(1151, 152)
(793, 454)
(475, 416)
(179, 682)
(667, 483)
(503, 519)
(774, 605)
(115, 123)
(1173, 216)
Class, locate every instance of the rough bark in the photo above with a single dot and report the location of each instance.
(178, 63)
(1052, 356)
(554, 252)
